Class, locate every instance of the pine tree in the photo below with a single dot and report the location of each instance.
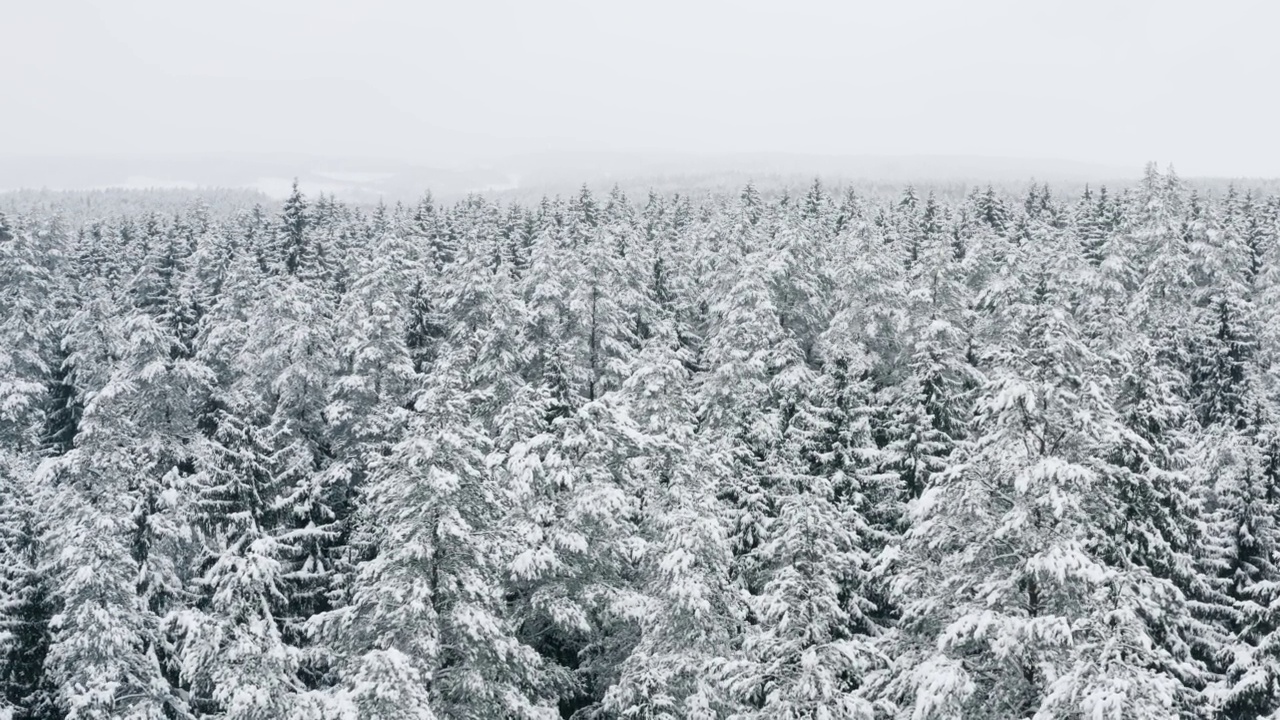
(746, 350)
(992, 211)
(1156, 522)
(576, 531)
(375, 365)
(686, 608)
(119, 543)
(25, 604)
(424, 634)
(234, 657)
(288, 360)
(1244, 555)
(25, 342)
(807, 645)
(1009, 612)
(26, 368)
(291, 238)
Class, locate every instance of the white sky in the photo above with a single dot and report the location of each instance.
(1117, 82)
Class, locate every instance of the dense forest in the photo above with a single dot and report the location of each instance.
(814, 455)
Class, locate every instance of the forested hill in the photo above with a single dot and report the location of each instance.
(807, 456)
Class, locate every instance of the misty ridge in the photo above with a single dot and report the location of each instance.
(95, 184)
(525, 176)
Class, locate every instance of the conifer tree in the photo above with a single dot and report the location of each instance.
(1008, 604)
(1245, 559)
(118, 547)
(25, 338)
(577, 541)
(424, 634)
(807, 644)
(291, 238)
(746, 350)
(288, 357)
(26, 691)
(685, 606)
(233, 653)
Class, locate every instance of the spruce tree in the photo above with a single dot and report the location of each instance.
(1009, 612)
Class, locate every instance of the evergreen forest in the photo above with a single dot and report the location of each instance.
(814, 455)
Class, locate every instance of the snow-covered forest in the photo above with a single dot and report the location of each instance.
(815, 455)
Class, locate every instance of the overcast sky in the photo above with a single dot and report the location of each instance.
(1193, 83)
